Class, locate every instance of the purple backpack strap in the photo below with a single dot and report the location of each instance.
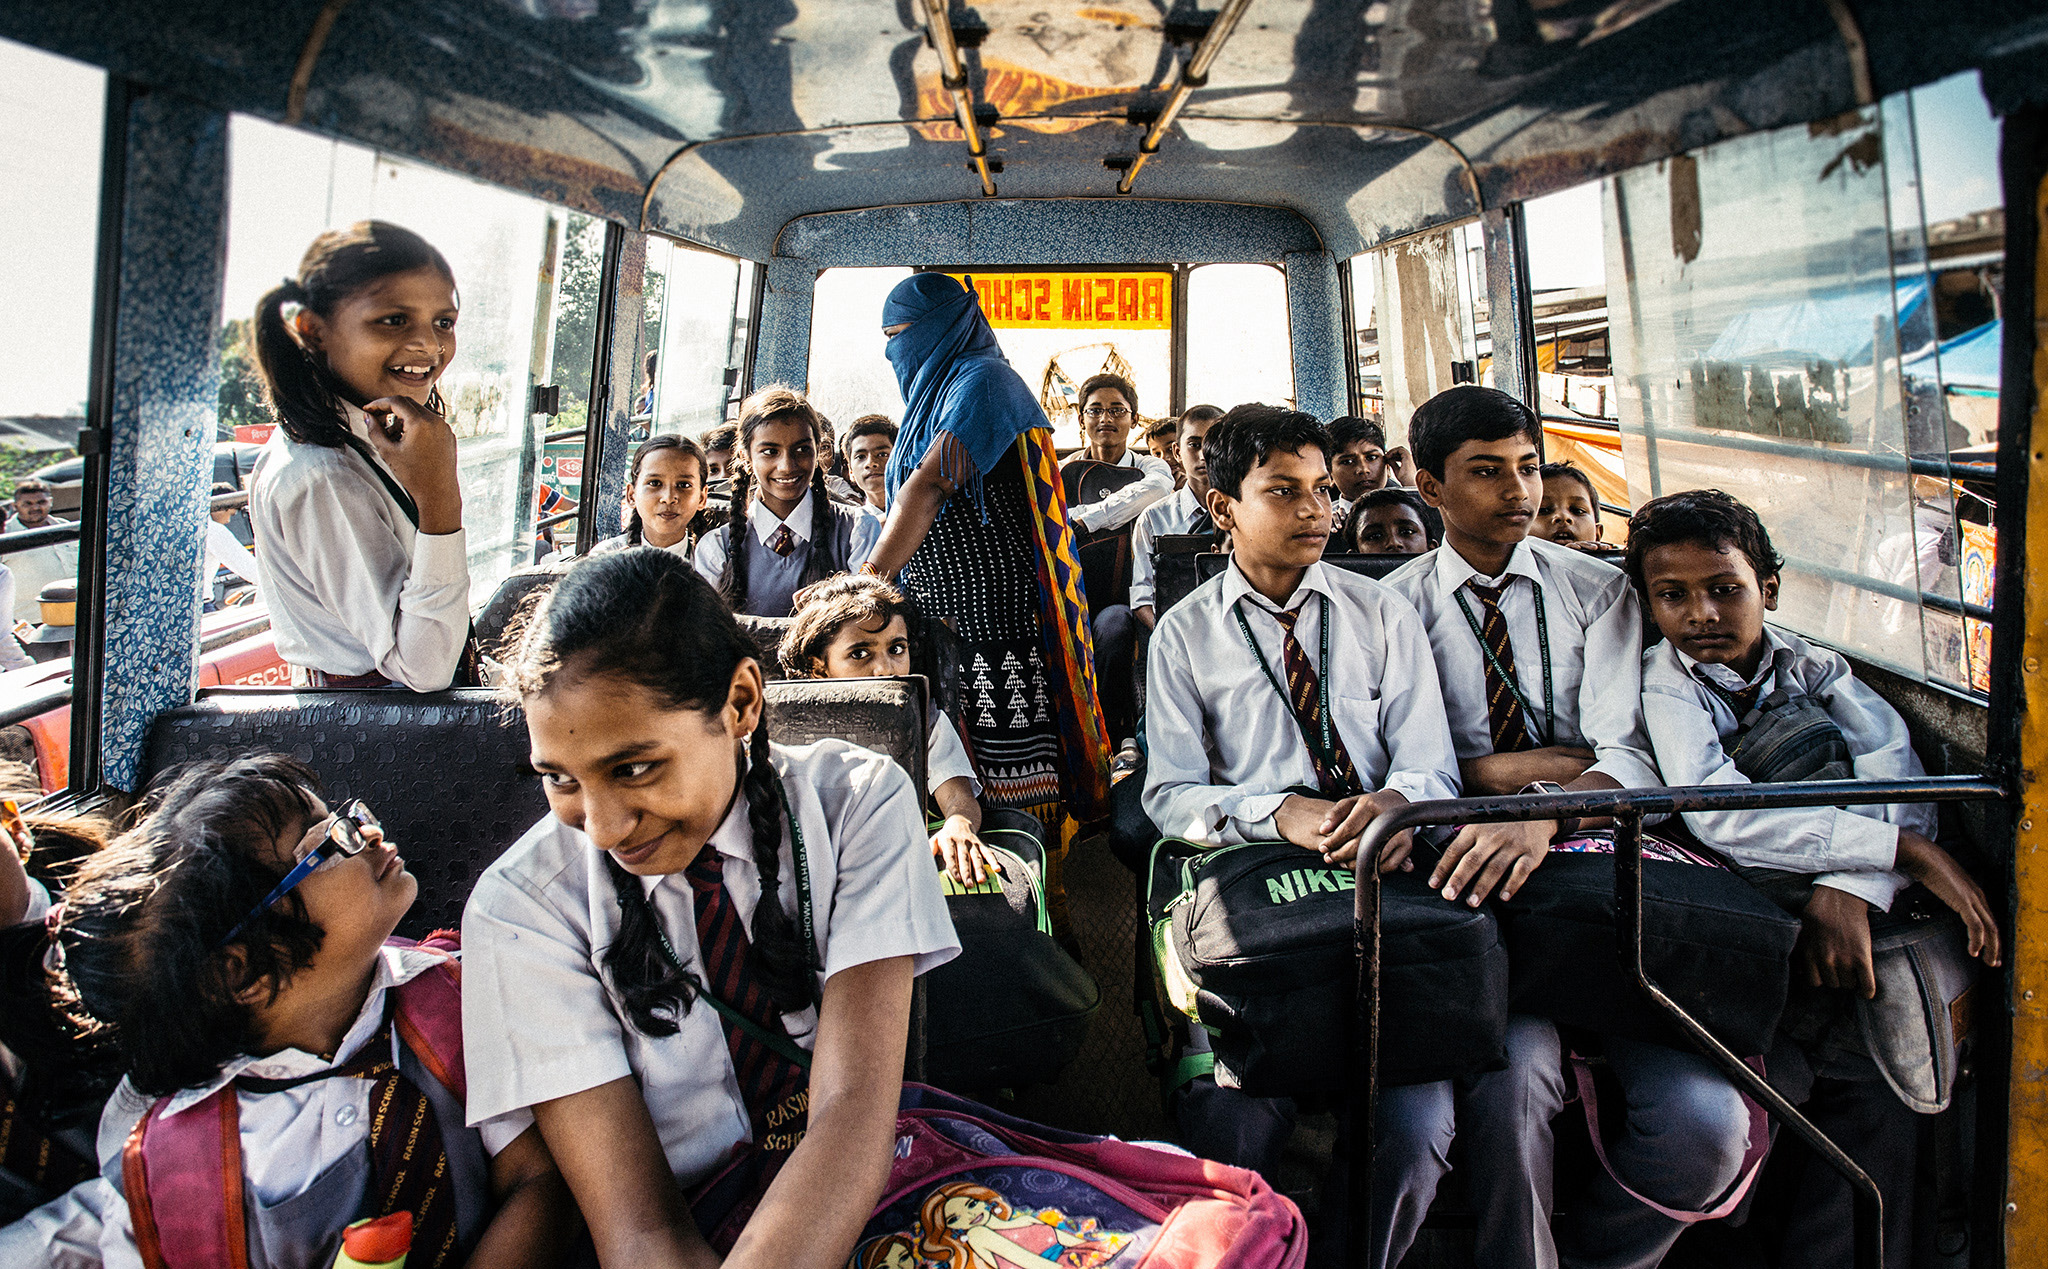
(429, 1014)
(1752, 1159)
(183, 1180)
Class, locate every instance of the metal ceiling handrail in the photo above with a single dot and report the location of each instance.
(1627, 807)
(953, 75)
(1194, 75)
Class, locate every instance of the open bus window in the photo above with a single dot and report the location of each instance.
(1419, 322)
(288, 186)
(49, 212)
(1778, 336)
(691, 294)
(849, 369)
(1574, 370)
(1238, 343)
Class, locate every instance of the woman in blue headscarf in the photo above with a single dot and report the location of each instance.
(999, 563)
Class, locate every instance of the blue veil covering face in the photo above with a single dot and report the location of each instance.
(953, 376)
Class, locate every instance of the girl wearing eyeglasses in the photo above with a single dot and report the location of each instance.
(703, 958)
(237, 946)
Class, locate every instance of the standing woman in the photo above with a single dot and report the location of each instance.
(354, 501)
(978, 530)
(709, 942)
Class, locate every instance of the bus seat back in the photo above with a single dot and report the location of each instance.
(447, 772)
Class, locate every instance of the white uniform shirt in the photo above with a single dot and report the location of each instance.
(223, 550)
(289, 1138)
(35, 569)
(540, 1018)
(1124, 505)
(946, 758)
(1175, 515)
(1855, 847)
(1224, 747)
(711, 552)
(351, 585)
(1594, 619)
(11, 655)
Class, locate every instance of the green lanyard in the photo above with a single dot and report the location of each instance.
(1327, 749)
(781, 1044)
(1514, 681)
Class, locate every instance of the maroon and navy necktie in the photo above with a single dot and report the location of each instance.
(775, 1089)
(1508, 722)
(1335, 774)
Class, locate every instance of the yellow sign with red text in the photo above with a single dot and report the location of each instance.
(1074, 301)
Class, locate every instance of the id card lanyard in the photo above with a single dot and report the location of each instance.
(1514, 681)
(1326, 744)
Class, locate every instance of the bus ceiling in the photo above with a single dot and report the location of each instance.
(723, 123)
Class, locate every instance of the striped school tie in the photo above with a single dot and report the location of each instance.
(1507, 721)
(1335, 776)
(774, 1089)
(782, 541)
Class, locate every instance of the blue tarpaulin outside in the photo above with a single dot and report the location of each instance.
(1835, 325)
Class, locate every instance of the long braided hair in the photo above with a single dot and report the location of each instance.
(305, 396)
(655, 445)
(776, 403)
(645, 617)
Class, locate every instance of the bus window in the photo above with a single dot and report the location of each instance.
(1061, 328)
(691, 328)
(49, 211)
(849, 369)
(1780, 336)
(1238, 344)
(1424, 296)
(1574, 371)
(287, 186)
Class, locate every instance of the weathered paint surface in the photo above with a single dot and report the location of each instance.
(2026, 1220)
(1315, 320)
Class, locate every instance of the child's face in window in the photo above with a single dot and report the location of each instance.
(1281, 516)
(1567, 513)
(858, 652)
(1489, 489)
(668, 494)
(1391, 530)
(782, 456)
(1709, 602)
(1358, 469)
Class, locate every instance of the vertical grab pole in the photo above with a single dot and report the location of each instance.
(1365, 1054)
(1628, 928)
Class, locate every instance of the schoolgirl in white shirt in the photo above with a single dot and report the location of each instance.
(354, 502)
(667, 494)
(786, 531)
(693, 875)
(856, 627)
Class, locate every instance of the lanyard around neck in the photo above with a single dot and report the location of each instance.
(1326, 746)
(805, 921)
(1513, 681)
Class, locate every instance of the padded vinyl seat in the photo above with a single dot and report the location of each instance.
(447, 771)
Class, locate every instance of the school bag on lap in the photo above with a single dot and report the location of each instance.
(1711, 941)
(1013, 1007)
(183, 1180)
(972, 1186)
(1254, 942)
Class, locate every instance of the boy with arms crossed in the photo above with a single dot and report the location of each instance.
(1537, 646)
(1708, 571)
(1229, 744)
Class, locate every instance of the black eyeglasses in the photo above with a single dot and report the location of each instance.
(344, 839)
(1111, 412)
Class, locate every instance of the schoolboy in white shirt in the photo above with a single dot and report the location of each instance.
(1186, 512)
(1228, 744)
(1708, 572)
(1538, 648)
